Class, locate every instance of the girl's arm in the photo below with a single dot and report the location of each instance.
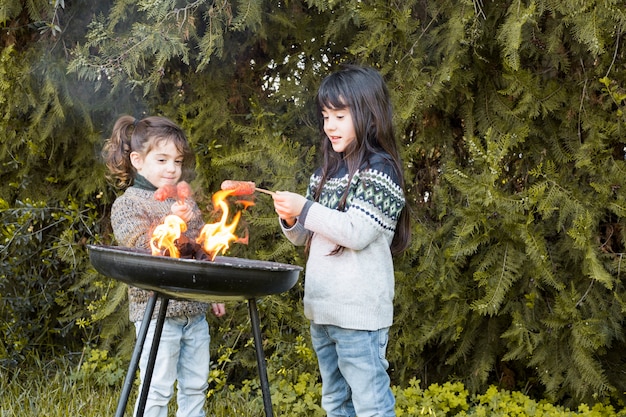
(352, 229)
(288, 206)
(373, 209)
(131, 222)
(133, 218)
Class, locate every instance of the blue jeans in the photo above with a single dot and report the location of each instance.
(183, 355)
(354, 371)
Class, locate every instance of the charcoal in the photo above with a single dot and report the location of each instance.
(201, 255)
(190, 249)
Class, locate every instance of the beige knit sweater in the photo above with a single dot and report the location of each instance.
(133, 217)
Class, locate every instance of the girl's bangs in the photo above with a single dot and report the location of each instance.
(330, 96)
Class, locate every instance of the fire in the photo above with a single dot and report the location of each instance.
(214, 239)
(165, 235)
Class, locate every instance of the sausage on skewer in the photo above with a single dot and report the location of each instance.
(165, 192)
(183, 191)
(180, 191)
(243, 187)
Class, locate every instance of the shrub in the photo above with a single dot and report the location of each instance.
(42, 256)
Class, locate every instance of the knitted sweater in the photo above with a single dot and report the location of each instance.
(353, 289)
(134, 215)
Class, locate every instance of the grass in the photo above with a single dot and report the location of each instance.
(50, 392)
(48, 389)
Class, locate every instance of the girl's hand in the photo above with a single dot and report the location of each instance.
(288, 205)
(182, 210)
(218, 309)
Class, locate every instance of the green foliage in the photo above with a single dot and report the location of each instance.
(99, 368)
(45, 386)
(522, 229)
(447, 399)
(41, 254)
(495, 402)
(511, 119)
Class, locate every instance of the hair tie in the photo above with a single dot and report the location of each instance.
(136, 122)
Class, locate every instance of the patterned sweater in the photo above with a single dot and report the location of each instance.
(353, 289)
(133, 217)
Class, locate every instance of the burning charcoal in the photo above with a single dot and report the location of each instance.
(186, 251)
(201, 255)
(163, 252)
(190, 249)
(186, 247)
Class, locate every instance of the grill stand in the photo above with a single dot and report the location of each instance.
(139, 344)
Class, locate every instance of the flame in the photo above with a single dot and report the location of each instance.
(164, 236)
(215, 238)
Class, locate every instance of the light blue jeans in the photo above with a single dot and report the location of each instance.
(183, 355)
(354, 371)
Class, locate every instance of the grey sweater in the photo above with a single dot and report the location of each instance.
(134, 215)
(354, 289)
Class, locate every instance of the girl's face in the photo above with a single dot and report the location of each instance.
(339, 128)
(161, 166)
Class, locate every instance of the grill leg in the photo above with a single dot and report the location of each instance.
(260, 357)
(152, 358)
(134, 360)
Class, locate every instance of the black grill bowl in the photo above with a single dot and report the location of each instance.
(225, 278)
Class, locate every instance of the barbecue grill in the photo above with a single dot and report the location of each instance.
(223, 279)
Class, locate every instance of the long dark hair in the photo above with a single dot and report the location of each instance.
(363, 91)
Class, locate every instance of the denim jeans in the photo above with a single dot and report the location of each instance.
(354, 371)
(183, 355)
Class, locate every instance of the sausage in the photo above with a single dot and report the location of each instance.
(165, 192)
(239, 187)
(181, 191)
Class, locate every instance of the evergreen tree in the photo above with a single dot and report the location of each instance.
(511, 117)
